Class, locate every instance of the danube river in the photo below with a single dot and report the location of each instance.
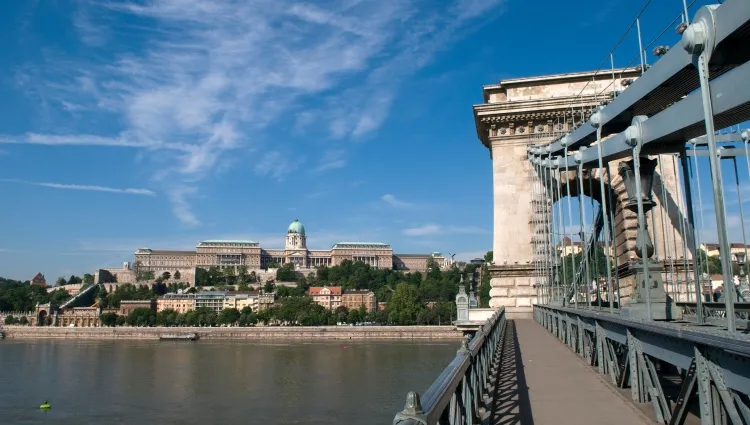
(145, 382)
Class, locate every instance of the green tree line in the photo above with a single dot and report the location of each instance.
(21, 296)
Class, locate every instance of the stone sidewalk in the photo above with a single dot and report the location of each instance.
(542, 382)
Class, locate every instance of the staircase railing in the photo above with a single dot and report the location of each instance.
(78, 296)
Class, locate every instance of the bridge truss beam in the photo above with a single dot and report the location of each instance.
(711, 366)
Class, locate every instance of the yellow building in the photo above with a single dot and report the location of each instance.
(181, 303)
(240, 300)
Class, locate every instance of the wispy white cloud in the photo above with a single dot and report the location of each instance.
(396, 203)
(180, 206)
(426, 230)
(209, 76)
(435, 229)
(277, 164)
(332, 159)
(89, 32)
(128, 191)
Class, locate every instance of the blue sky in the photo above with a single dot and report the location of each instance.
(161, 123)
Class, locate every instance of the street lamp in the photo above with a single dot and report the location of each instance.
(744, 289)
(661, 305)
(626, 171)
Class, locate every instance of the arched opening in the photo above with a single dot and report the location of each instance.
(41, 318)
(581, 262)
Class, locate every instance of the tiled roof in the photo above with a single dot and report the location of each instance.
(315, 290)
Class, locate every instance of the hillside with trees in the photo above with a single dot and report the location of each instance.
(21, 296)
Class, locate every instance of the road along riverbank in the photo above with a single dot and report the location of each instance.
(236, 333)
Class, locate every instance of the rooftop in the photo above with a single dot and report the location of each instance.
(361, 244)
(219, 242)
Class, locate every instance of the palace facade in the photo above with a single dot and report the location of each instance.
(256, 258)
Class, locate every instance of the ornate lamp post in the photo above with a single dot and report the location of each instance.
(744, 289)
(652, 296)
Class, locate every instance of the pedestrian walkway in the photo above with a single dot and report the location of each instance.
(542, 382)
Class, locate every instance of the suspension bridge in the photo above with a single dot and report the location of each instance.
(608, 188)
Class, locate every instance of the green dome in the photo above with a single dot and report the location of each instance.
(296, 227)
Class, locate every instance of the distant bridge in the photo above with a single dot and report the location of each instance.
(638, 334)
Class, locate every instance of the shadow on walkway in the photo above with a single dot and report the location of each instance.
(510, 405)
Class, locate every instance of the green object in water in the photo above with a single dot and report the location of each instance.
(45, 406)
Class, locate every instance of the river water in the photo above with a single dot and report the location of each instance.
(145, 382)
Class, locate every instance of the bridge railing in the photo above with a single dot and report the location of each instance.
(715, 313)
(456, 397)
(712, 367)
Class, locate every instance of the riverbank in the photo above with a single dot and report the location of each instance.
(236, 333)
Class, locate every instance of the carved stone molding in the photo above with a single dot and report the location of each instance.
(511, 270)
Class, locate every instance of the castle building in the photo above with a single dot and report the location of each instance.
(256, 258)
(39, 280)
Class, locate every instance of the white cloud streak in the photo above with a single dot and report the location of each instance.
(180, 206)
(396, 203)
(331, 160)
(436, 230)
(127, 191)
(277, 165)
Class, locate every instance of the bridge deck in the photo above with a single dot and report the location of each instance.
(542, 382)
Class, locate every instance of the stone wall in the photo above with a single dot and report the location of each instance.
(251, 333)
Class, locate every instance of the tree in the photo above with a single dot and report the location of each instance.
(205, 317)
(145, 275)
(177, 275)
(353, 317)
(229, 316)
(405, 305)
(21, 296)
(88, 278)
(342, 314)
(61, 281)
(489, 257)
(23, 321)
(268, 287)
(247, 317)
(484, 287)
(10, 320)
(286, 273)
(712, 263)
(242, 275)
(141, 317)
(167, 317)
(166, 276)
(108, 319)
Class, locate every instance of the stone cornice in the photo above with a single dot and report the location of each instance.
(539, 111)
(511, 270)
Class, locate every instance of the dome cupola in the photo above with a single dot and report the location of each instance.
(296, 227)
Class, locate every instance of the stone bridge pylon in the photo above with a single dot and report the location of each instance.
(537, 110)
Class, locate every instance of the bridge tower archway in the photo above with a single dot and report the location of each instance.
(537, 110)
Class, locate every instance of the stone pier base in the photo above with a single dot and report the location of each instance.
(512, 287)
